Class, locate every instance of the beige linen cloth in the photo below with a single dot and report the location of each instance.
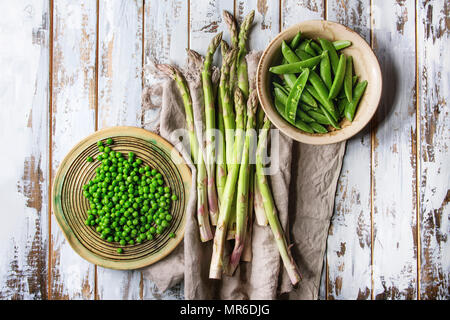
(303, 190)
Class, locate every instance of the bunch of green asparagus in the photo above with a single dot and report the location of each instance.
(232, 189)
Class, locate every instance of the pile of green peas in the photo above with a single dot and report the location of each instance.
(129, 201)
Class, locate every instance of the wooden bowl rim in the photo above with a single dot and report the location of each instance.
(295, 133)
(63, 167)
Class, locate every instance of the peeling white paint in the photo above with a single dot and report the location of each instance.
(23, 136)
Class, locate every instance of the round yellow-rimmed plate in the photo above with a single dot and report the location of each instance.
(70, 206)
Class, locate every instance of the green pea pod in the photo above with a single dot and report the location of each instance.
(304, 106)
(288, 54)
(280, 108)
(289, 79)
(319, 117)
(341, 44)
(348, 79)
(304, 116)
(302, 54)
(328, 45)
(279, 86)
(341, 106)
(325, 69)
(298, 123)
(295, 67)
(316, 47)
(296, 40)
(280, 95)
(306, 97)
(294, 95)
(302, 45)
(339, 78)
(303, 126)
(329, 117)
(350, 108)
(322, 93)
(318, 128)
(313, 92)
(342, 92)
(309, 49)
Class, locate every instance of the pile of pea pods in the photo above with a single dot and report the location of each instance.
(314, 87)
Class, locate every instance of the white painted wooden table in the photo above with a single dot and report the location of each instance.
(71, 67)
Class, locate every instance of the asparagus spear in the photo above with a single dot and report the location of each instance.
(247, 253)
(202, 200)
(242, 82)
(210, 124)
(196, 153)
(242, 203)
(260, 214)
(215, 271)
(227, 105)
(221, 167)
(258, 206)
(270, 208)
(242, 74)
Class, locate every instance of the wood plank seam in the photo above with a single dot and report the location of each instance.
(96, 112)
(141, 282)
(143, 55)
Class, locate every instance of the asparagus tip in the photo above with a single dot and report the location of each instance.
(193, 54)
(248, 20)
(239, 99)
(231, 55)
(252, 102)
(166, 69)
(225, 48)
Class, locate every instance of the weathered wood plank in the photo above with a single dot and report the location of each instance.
(24, 94)
(293, 12)
(433, 29)
(74, 110)
(349, 239)
(393, 160)
(165, 41)
(206, 20)
(266, 22)
(119, 104)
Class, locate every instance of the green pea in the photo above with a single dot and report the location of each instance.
(339, 77)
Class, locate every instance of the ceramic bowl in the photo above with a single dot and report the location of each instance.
(366, 67)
